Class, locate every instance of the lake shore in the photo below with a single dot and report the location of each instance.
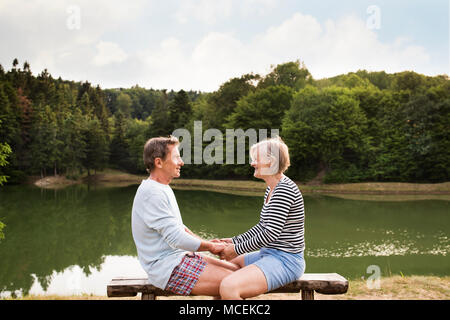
(390, 288)
(112, 178)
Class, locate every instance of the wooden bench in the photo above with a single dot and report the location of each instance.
(324, 283)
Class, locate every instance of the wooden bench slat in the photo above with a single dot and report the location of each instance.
(325, 283)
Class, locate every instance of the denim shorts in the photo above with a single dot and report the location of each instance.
(279, 267)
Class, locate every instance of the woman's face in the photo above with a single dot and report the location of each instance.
(261, 165)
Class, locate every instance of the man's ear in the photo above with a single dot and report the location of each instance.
(158, 162)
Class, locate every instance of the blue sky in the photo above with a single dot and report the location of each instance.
(200, 44)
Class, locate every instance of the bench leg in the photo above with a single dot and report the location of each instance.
(148, 296)
(307, 294)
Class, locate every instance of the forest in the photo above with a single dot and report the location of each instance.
(355, 127)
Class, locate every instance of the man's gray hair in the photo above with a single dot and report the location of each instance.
(157, 148)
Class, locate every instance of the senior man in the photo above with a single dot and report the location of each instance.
(166, 247)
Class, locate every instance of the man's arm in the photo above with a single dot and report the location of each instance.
(211, 246)
(191, 233)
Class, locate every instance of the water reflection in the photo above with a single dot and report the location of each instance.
(74, 281)
(75, 240)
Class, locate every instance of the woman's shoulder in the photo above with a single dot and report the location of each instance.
(287, 185)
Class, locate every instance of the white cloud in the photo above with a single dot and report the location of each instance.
(108, 52)
(328, 49)
(211, 12)
(258, 7)
(38, 31)
(206, 11)
(201, 62)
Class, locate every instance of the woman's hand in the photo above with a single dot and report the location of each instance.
(228, 253)
(216, 247)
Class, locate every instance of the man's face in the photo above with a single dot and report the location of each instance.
(171, 166)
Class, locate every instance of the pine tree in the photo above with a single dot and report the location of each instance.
(160, 118)
(97, 149)
(74, 147)
(180, 110)
(119, 151)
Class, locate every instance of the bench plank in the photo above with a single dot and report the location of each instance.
(325, 283)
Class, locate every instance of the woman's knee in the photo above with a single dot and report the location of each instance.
(228, 288)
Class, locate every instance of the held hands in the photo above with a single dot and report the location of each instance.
(228, 253)
(216, 247)
(223, 248)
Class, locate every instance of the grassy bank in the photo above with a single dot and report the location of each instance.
(391, 288)
(116, 178)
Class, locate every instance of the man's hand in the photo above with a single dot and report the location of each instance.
(223, 240)
(228, 253)
(216, 247)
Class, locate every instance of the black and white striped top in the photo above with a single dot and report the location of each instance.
(281, 224)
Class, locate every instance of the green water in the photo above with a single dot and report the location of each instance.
(75, 239)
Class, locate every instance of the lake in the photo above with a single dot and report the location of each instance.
(74, 240)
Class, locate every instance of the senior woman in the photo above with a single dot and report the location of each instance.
(279, 235)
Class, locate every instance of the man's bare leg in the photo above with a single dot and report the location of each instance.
(209, 281)
(222, 263)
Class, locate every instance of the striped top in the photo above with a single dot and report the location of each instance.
(281, 224)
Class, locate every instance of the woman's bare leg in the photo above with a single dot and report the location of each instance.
(247, 282)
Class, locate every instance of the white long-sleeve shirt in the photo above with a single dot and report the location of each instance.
(158, 231)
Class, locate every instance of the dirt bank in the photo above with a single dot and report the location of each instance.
(117, 178)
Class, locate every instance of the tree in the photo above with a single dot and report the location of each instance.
(124, 104)
(290, 74)
(427, 119)
(408, 80)
(119, 151)
(224, 101)
(85, 105)
(74, 146)
(45, 146)
(9, 114)
(179, 110)
(160, 118)
(5, 150)
(136, 137)
(97, 148)
(262, 109)
(324, 129)
(15, 63)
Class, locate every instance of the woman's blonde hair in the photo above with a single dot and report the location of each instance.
(273, 151)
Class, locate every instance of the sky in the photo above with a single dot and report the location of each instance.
(200, 44)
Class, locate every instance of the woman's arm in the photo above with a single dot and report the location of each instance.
(248, 234)
(275, 220)
(253, 230)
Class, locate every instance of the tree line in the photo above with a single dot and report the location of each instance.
(360, 126)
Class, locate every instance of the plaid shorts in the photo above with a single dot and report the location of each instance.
(185, 275)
